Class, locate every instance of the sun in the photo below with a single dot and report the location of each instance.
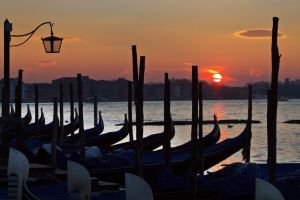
(217, 77)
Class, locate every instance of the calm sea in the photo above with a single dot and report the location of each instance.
(288, 149)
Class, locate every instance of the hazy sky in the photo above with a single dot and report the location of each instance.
(172, 34)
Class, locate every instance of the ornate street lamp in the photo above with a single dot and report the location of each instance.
(51, 44)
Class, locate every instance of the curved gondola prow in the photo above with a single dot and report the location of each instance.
(214, 154)
(215, 118)
(101, 122)
(214, 136)
(28, 117)
(42, 117)
(172, 128)
(125, 122)
(76, 113)
(107, 139)
(12, 111)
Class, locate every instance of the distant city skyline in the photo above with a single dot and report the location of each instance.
(229, 37)
(116, 90)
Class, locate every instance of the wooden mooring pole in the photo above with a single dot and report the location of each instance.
(130, 131)
(61, 113)
(167, 120)
(72, 111)
(140, 115)
(272, 105)
(18, 101)
(54, 133)
(200, 135)
(194, 133)
(138, 82)
(95, 110)
(249, 125)
(6, 67)
(81, 126)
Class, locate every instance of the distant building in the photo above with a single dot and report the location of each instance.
(116, 90)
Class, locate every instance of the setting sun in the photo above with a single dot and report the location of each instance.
(217, 77)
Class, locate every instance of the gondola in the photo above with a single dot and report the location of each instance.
(112, 167)
(150, 142)
(27, 118)
(10, 127)
(88, 133)
(234, 181)
(207, 140)
(72, 126)
(31, 127)
(45, 131)
(107, 139)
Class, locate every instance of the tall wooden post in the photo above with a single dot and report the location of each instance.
(6, 84)
(54, 133)
(140, 115)
(194, 131)
(72, 111)
(138, 83)
(18, 101)
(130, 131)
(61, 112)
(272, 105)
(167, 119)
(247, 153)
(200, 139)
(36, 108)
(135, 71)
(18, 115)
(81, 126)
(95, 110)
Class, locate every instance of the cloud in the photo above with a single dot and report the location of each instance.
(46, 63)
(212, 71)
(188, 63)
(72, 39)
(255, 72)
(257, 34)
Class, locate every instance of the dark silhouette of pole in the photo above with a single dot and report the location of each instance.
(138, 83)
(140, 115)
(54, 133)
(72, 111)
(61, 112)
(36, 109)
(194, 132)
(81, 126)
(272, 104)
(200, 137)
(18, 101)
(6, 85)
(95, 110)
(130, 131)
(167, 125)
(135, 71)
(247, 150)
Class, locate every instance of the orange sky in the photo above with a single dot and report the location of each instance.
(172, 34)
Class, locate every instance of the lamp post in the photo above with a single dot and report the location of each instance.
(51, 44)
